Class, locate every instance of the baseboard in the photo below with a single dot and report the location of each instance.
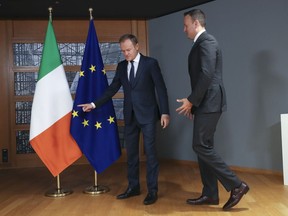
(234, 168)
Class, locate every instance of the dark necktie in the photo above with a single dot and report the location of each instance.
(131, 76)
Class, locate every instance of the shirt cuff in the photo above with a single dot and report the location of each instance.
(93, 105)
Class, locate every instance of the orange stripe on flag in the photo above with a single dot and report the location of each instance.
(56, 147)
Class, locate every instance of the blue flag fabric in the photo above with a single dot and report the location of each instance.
(95, 132)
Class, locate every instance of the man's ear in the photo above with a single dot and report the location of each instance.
(197, 23)
(137, 46)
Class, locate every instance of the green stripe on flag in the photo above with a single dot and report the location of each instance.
(51, 57)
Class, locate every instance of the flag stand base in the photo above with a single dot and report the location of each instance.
(96, 190)
(58, 193)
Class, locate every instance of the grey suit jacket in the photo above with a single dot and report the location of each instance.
(205, 70)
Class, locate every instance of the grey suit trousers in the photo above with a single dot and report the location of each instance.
(211, 165)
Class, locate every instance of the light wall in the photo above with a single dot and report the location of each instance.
(253, 37)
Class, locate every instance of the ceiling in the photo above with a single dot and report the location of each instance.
(105, 9)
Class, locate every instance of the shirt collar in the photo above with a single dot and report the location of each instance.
(137, 58)
(198, 34)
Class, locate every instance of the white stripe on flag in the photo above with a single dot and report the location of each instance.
(52, 101)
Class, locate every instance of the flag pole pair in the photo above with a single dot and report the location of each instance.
(92, 190)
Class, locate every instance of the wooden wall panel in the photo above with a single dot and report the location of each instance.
(75, 31)
(5, 127)
(142, 36)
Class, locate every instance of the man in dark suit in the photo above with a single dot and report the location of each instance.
(140, 76)
(205, 104)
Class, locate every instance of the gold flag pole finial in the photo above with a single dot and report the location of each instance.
(90, 10)
(50, 13)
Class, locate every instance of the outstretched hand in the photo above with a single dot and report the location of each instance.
(86, 107)
(185, 108)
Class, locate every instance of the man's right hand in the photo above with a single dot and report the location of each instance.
(86, 107)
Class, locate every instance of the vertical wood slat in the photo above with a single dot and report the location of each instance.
(5, 124)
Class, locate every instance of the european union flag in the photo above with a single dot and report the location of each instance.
(95, 132)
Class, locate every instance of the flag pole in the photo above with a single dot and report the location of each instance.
(50, 13)
(90, 11)
(58, 192)
(96, 189)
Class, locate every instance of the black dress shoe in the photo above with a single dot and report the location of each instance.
(203, 200)
(236, 195)
(129, 193)
(150, 198)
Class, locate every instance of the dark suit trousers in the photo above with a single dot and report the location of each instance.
(211, 165)
(132, 132)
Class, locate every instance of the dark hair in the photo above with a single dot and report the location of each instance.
(197, 14)
(131, 37)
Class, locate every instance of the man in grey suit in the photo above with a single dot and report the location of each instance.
(140, 76)
(206, 104)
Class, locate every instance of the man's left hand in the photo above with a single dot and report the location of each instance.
(165, 120)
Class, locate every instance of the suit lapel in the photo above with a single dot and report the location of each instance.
(200, 39)
(125, 74)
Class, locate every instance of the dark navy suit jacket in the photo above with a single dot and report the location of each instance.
(141, 97)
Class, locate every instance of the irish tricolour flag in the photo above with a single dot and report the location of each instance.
(51, 111)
